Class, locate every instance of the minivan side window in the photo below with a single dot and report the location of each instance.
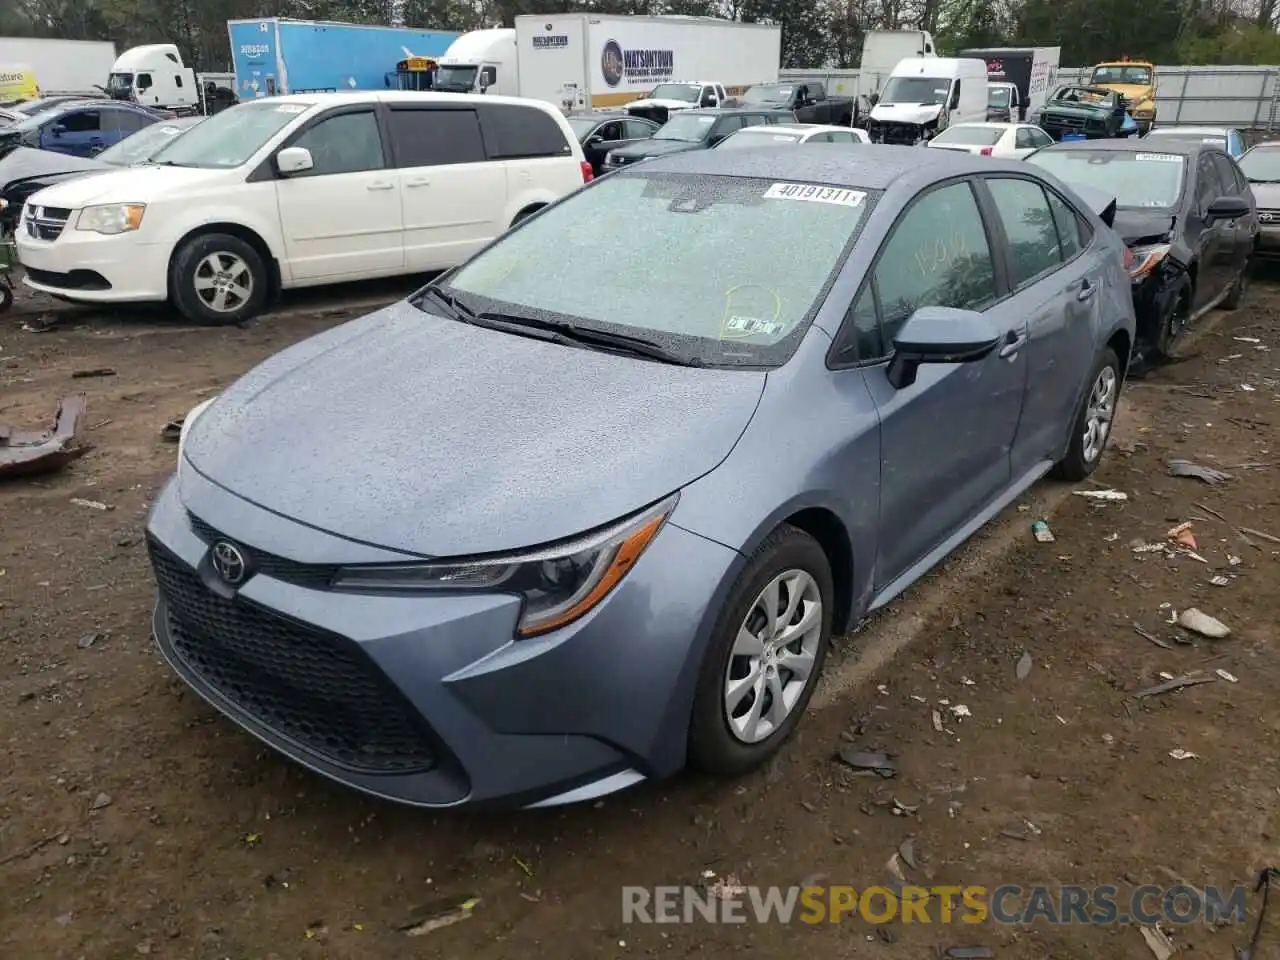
(435, 138)
(343, 143)
(514, 132)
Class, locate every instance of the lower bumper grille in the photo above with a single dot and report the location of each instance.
(314, 688)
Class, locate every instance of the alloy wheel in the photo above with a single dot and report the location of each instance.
(1100, 413)
(772, 659)
(223, 282)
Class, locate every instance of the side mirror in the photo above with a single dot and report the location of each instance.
(1227, 208)
(594, 140)
(939, 335)
(57, 130)
(709, 102)
(293, 160)
(954, 104)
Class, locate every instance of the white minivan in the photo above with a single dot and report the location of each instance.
(299, 191)
(925, 95)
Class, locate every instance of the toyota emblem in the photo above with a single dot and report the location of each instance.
(229, 563)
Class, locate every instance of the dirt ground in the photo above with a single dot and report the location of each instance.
(136, 821)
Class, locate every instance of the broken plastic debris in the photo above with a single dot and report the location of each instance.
(1247, 388)
(1230, 678)
(878, 763)
(1102, 494)
(1023, 669)
(1203, 624)
(91, 504)
(1111, 537)
(25, 453)
(961, 711)
(1185, 468)
(1040, 530)
(1179, 754)
(437, 918)
(727, 889)
(1220, 581)
(1158, 942)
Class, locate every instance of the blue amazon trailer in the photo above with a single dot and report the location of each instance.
(276, 55)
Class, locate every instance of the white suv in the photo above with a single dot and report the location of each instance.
(299, 191)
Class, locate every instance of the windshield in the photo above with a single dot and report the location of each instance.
(119, 83)
(1123, 73)
(1261, 165)
(676, 91)
(1134, 179)
(997, 96)
(724, 296)
(768, 94)
(230, 138)
(1092, 98)
(142, 144)
(970, 136)
(1191, 135)
(456, 78)
(689, 128)
(757, 137)
(581, 126)
(916, 90)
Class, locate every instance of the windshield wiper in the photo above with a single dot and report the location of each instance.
(1251, 180)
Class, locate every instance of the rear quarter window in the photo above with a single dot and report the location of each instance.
(513, 132)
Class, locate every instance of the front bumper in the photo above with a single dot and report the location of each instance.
(428, 699)
(1268, 243)
(91, 266)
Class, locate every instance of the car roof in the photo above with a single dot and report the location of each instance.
(402, 96)
(727, 111)
(603, 115)
(989, 125)
(790, 128)
(862, 166)
(1173, 145)
(1190, 131)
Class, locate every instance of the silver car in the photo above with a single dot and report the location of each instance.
(1261, 166)
(535, 535)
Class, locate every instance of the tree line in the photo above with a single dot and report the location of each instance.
(815, 32)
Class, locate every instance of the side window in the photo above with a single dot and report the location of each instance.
(1067, 222)
(81, 121)
(637, 129)
(1041, 138)
(706, 96)
(513, 132)
(821, 138)
(1029, 227)
(1226, 173)
(937, 256)
(177, 80)
(610, 131)
(111, 121)
(842, 137)
(488, 76)
(130, 122)
(720, 92)
(865, 321)
(1025, 140)
(728, 125)
(1208, 186)
(143, 81)
(435, 138)
(345, 143)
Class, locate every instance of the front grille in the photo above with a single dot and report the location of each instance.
(316, 576)
(1271, 217)
(46, 223)
(900, 133)
(1065, 123)
(314, 688)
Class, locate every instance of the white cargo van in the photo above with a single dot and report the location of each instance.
(925, 95)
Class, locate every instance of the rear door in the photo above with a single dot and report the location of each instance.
(341, 219)
(608, 136)
(130, 122)
(1055, 277)
(452, 195)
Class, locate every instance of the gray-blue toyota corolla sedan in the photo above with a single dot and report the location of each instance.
(590, 507)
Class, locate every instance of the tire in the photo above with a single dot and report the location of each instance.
(216, 279)
(6, 297)
(789, 555)
(1083, 457)
(1238, 288)
(524, 215)
(1174, 323)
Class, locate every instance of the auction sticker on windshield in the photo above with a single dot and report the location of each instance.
(1166, 157)
(809, 193)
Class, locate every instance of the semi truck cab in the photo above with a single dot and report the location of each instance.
(482, 61)
(154, 76)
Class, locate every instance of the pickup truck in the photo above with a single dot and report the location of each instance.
(807, 99)
(1075, 110)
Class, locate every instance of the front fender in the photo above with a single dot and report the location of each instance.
(180, 221)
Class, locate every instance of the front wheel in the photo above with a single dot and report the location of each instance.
(1091, 428)
(6, 297)
(1174, 323)
(217, 280)
(763, 661)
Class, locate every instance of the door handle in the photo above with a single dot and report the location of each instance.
(419, 182)
(1013, 343)
(378, 186)
(1087, 290)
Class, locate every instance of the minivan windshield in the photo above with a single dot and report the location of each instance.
(915, 90)
(1261, 165)
(723, 301)
(230, 138)
(1136, 180)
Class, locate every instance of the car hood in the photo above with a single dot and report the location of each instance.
(1266, 195)
(25, 162)
(1136, 224)
(906, 112)
(656, 148)
(437, 438)
(668, 105)
(141, 184)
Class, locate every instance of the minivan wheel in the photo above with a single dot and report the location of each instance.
(525, 214)
(217, 279)
(1092, 427)
(764, 659)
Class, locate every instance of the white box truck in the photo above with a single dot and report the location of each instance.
(62, 66)
(1018, 78)
(580, 61)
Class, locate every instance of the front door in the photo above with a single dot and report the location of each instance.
(608, 136)
(77, 132)
(341, 219)
(1216, 238)
(945, 439)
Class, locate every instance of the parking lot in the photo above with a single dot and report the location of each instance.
(134, 820)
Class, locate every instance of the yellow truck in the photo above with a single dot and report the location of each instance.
(17, 83)
(1135, 80)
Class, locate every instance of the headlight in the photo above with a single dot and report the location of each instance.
(559, 584)
(188, 420)
(111, 218)
(1146, 259)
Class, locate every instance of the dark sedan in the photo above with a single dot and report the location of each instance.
(598, 133)
(699, 129)
(1188, 218)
